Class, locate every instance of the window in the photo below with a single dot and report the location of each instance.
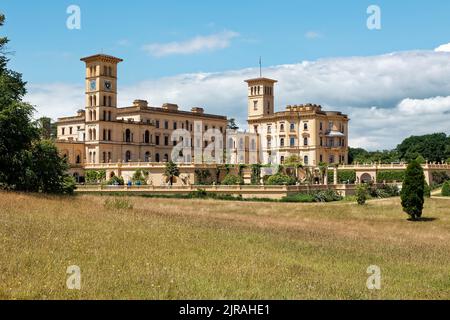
(70, 130)
(127, 135)
(321, 158)
(321, 141)
(78, 159)
(109, 102)
(174, 125)
(157, 140)
(128, 156)
(166, 124)
(166, 157)
(157, 124)
(206, 127)
(166, 140)
(282, 127)
(331, 159)
(104, 101)
(282, 142)
(147, 137)
(282, 159)
(269, 129)
(292, 126)
(305, 141)
(157, 157)
(306, 160)
(292, 142)
(147, 157)
(321, 126)
(305, 126)
(255, 105)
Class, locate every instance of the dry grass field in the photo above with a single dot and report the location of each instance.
(195, 249)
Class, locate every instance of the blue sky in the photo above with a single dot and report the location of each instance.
(199, 53)
(273, 29)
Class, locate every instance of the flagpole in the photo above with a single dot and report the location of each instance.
(260, 67)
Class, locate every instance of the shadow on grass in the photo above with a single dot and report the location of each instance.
(423, 219)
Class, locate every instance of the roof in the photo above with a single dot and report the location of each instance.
(261, 80)
(102, 57)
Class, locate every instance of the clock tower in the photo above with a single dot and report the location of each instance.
(101, 87)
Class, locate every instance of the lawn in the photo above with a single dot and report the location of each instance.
(208, 249)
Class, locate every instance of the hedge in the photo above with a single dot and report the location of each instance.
(391, 175)
(446, 189)
(343, 176)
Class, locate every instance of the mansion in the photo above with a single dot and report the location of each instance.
(103, 133)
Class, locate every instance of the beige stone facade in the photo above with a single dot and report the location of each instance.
(105, 133)
(314, 135)
(140, 134)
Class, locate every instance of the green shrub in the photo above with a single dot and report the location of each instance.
(446, 189)
(280, 180)
(118, 204)
(94, 176)
(232, 180)
(326, 196)
(384, 191)
(116, 181)
(439, 177)
(69, 185)
(412, 194)
(362, 194)
(300, 197)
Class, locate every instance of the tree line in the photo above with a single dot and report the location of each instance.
(431, 147)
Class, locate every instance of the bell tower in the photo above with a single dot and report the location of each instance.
(101, 87)
(260, 97)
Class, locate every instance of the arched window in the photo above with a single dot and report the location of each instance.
(94, 101)
(282, 127)
(110, 71)
(127, 135)
(147, 157)
(305, 126)
(104, 115)
(128, 156)
(166, 157)
(90, 101)
(104, 135)
(104, 101)
(105, 70)
(306, 160)
(157, 157)
(90, 115)
(109, 115)
(305, 141)
(147, 137)
(94, 115)
(109, 135)
(282, 142)
(109, 101)
(78, 159)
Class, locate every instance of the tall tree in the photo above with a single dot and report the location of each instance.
(26, 163)
(413, 190)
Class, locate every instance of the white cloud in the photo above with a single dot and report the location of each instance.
(388, 97)
(443, 48)
(313, 35)
(212, 42)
